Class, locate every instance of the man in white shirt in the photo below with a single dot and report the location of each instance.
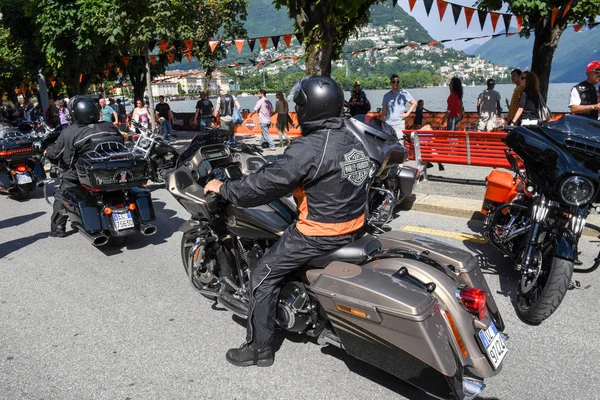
(584, 99)
(394, 104)
(488, 106)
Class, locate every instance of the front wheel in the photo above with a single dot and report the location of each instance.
(539, 296)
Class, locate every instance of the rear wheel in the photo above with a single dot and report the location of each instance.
(541, 293)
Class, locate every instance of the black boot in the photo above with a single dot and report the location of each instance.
(58, 231)
(245, 356)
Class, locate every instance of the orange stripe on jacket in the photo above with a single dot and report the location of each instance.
(314, 228)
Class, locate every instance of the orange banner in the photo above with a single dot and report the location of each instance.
(239, 43)
(442, 8)
(171, 57)
(468, 15)
(494, 17)
(213, 45)
(263, 42)
(163, 46)
(287, 39)
(188, 44)
(126, 60)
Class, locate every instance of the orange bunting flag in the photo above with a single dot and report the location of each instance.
(260, 64)
(213, 45)
(80, 78)
(239, 43)
(519, 22)
(163, 46)
(553, 19)
(295, 58)
(567, 8)
(287, 39)
(171, 57)
(110, 64)
(442, 8)
(494, 17)
(53, 83)
(263, 42)
(469, 14)
(434, 43)
(153, 59)
(106, 72)
(126, 60)
(188, 44)
(189, 55)
(577, 27)
(412, 3)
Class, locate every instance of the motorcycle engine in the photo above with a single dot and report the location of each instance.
(294, 308)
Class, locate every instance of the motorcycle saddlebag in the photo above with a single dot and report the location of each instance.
(388, 323)
(106, 173)
(499, 184)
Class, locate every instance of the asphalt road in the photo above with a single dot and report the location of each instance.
(78, 322)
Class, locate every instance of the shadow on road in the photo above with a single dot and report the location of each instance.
(15, 221)
(17, 244)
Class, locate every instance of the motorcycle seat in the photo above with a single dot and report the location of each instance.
(356, 252)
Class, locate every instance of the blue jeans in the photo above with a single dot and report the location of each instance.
(204, 123)
(451, 126)
(265, 135)
(167, 128)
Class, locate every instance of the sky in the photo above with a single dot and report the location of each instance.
(446, 29)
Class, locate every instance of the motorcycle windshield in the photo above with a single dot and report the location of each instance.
(576, 125)
(380, 128)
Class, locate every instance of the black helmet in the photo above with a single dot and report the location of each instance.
(84, 110)
(317, 98)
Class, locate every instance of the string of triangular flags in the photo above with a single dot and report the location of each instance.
(458, 9)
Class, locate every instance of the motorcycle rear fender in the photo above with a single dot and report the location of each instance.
(143, 201)
(565, 244)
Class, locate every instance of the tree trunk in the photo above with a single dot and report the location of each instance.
(138, 81)
(544, 45)
(318, 57)
(319, 38)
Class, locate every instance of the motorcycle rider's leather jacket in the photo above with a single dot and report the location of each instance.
(327, 170)
(74, 141)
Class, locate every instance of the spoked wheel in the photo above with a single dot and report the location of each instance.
(542, 289)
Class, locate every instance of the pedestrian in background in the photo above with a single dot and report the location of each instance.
(141, 115)
(488, 107)
(52, 119)
(513, 106)
(282, 109)
(63, 113)
(224, 108)
(529, 103)
(107, 113)
(204, 111)
(264, 108)
(584, 99)
(418, 121)
(454, 111)
(358, 100)
(163, 114)
(394, 107)
(121, 113)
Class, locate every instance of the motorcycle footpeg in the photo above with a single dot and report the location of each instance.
(235, 306)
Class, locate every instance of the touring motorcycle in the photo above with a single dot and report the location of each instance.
(21, 169)
(536, 215)
(414, 307)
(111, 202)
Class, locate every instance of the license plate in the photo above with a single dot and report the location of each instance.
(494, 345)
(24, 178)
(123, 220)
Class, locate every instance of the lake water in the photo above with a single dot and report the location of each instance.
(435, 98)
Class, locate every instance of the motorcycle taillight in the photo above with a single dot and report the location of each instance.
(474, 300)
(21, 168)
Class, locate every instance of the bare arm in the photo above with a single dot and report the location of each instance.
(413, 105)
(196, 115)
(383, 113)
(579, 109)
(517, 115)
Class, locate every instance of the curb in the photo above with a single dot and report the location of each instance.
(468, 208)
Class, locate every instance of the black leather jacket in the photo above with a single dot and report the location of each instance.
(327, 170)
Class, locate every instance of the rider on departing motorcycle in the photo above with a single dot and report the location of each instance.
(72, 143)
(327, 171)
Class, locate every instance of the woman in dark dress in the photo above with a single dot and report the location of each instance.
(529, 103)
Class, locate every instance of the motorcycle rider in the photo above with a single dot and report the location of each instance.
(72, 143)
(327, 171)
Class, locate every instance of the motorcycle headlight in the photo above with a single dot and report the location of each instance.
(576, 190)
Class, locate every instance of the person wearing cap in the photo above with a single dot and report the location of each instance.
(584, 96)
(358, 99)
(488, 107)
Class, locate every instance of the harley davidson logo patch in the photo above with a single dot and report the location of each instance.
(250, 124)
(123, 176)
(356, 167)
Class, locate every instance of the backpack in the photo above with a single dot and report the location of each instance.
(366, 106)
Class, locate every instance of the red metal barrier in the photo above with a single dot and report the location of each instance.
(484, 149)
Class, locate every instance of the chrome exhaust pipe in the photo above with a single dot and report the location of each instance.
(472, 387)
(147, 229)
(96, 239)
